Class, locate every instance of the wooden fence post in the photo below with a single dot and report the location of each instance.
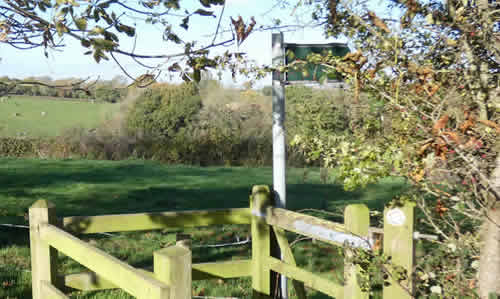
(173, 266)
(43, 257)
(261, 241)
(398, 244)
(357, 222)
(183, 240)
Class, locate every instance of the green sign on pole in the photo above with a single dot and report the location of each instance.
(312, 72)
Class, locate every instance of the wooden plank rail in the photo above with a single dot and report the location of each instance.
(50, 291)
(310, 279)
(150, 221)
(230, 269)
(316, 228)
(89, 281)
(288, 257)
(103, 264)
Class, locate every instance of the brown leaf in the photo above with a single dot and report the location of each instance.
(440, 208)
(371, 73)
(425, 70)
(422, 149)
(453, 136)
(418, 175)
(433, 89)
(467, 125)
(490, 124)
(332, 6)
(378, 243)
(471, 143)
(440, 124)
(378, 22)
(353, 56)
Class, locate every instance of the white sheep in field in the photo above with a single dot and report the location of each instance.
(44, 113)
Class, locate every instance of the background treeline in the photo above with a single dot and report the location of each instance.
(205, 124)
(112, 91)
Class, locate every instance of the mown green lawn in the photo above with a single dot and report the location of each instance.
(23, 115)
(105, 187)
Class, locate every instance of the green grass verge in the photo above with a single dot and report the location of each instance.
(104, 187)
(23, 115)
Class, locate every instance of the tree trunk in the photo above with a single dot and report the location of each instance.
(489, 270)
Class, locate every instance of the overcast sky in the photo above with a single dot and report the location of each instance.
(70, 62)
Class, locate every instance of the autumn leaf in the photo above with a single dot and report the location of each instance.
(418, 175)
(433, 89)
(353, 56)
(378, 22)
(469, 123)
(425, 70)
(453, 136)
(490, 124)
(473, 142)
(422, 149)
(440, 124)
(440, 208)
(332, 6)
(242, 31)
(378, 243)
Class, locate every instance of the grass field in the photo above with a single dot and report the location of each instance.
(104, 187)
(23, 115)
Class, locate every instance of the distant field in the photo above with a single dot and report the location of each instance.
(45, 116)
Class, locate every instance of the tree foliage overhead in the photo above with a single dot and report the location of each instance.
(102, 26)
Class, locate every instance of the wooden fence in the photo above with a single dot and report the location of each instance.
(173, 271)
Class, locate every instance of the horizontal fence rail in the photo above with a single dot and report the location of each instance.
(315, 228)
(90, 281)
(50, 291)
(116, 271)
(150, 221)
(310, 279)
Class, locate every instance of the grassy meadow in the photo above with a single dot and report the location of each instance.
(45, 116)
(79, 187)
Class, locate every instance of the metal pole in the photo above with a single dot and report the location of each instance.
(279, 149)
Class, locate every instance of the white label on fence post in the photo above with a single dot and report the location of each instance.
(331, 235)
(396, 217)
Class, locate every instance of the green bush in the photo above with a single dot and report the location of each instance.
(164, 109)
(108, 94)
(16, 147)
(267, 91)
(314, 111)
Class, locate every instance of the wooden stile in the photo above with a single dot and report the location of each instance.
(149, 221)
(172, 265)
(357, 222)
(287, 253)
(398, 244)
(173, 268)
(261, 242)
(117, 272)
(311, 280)
(43, 257)
(50, 291)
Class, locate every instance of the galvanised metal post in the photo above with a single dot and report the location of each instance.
(279, 148)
